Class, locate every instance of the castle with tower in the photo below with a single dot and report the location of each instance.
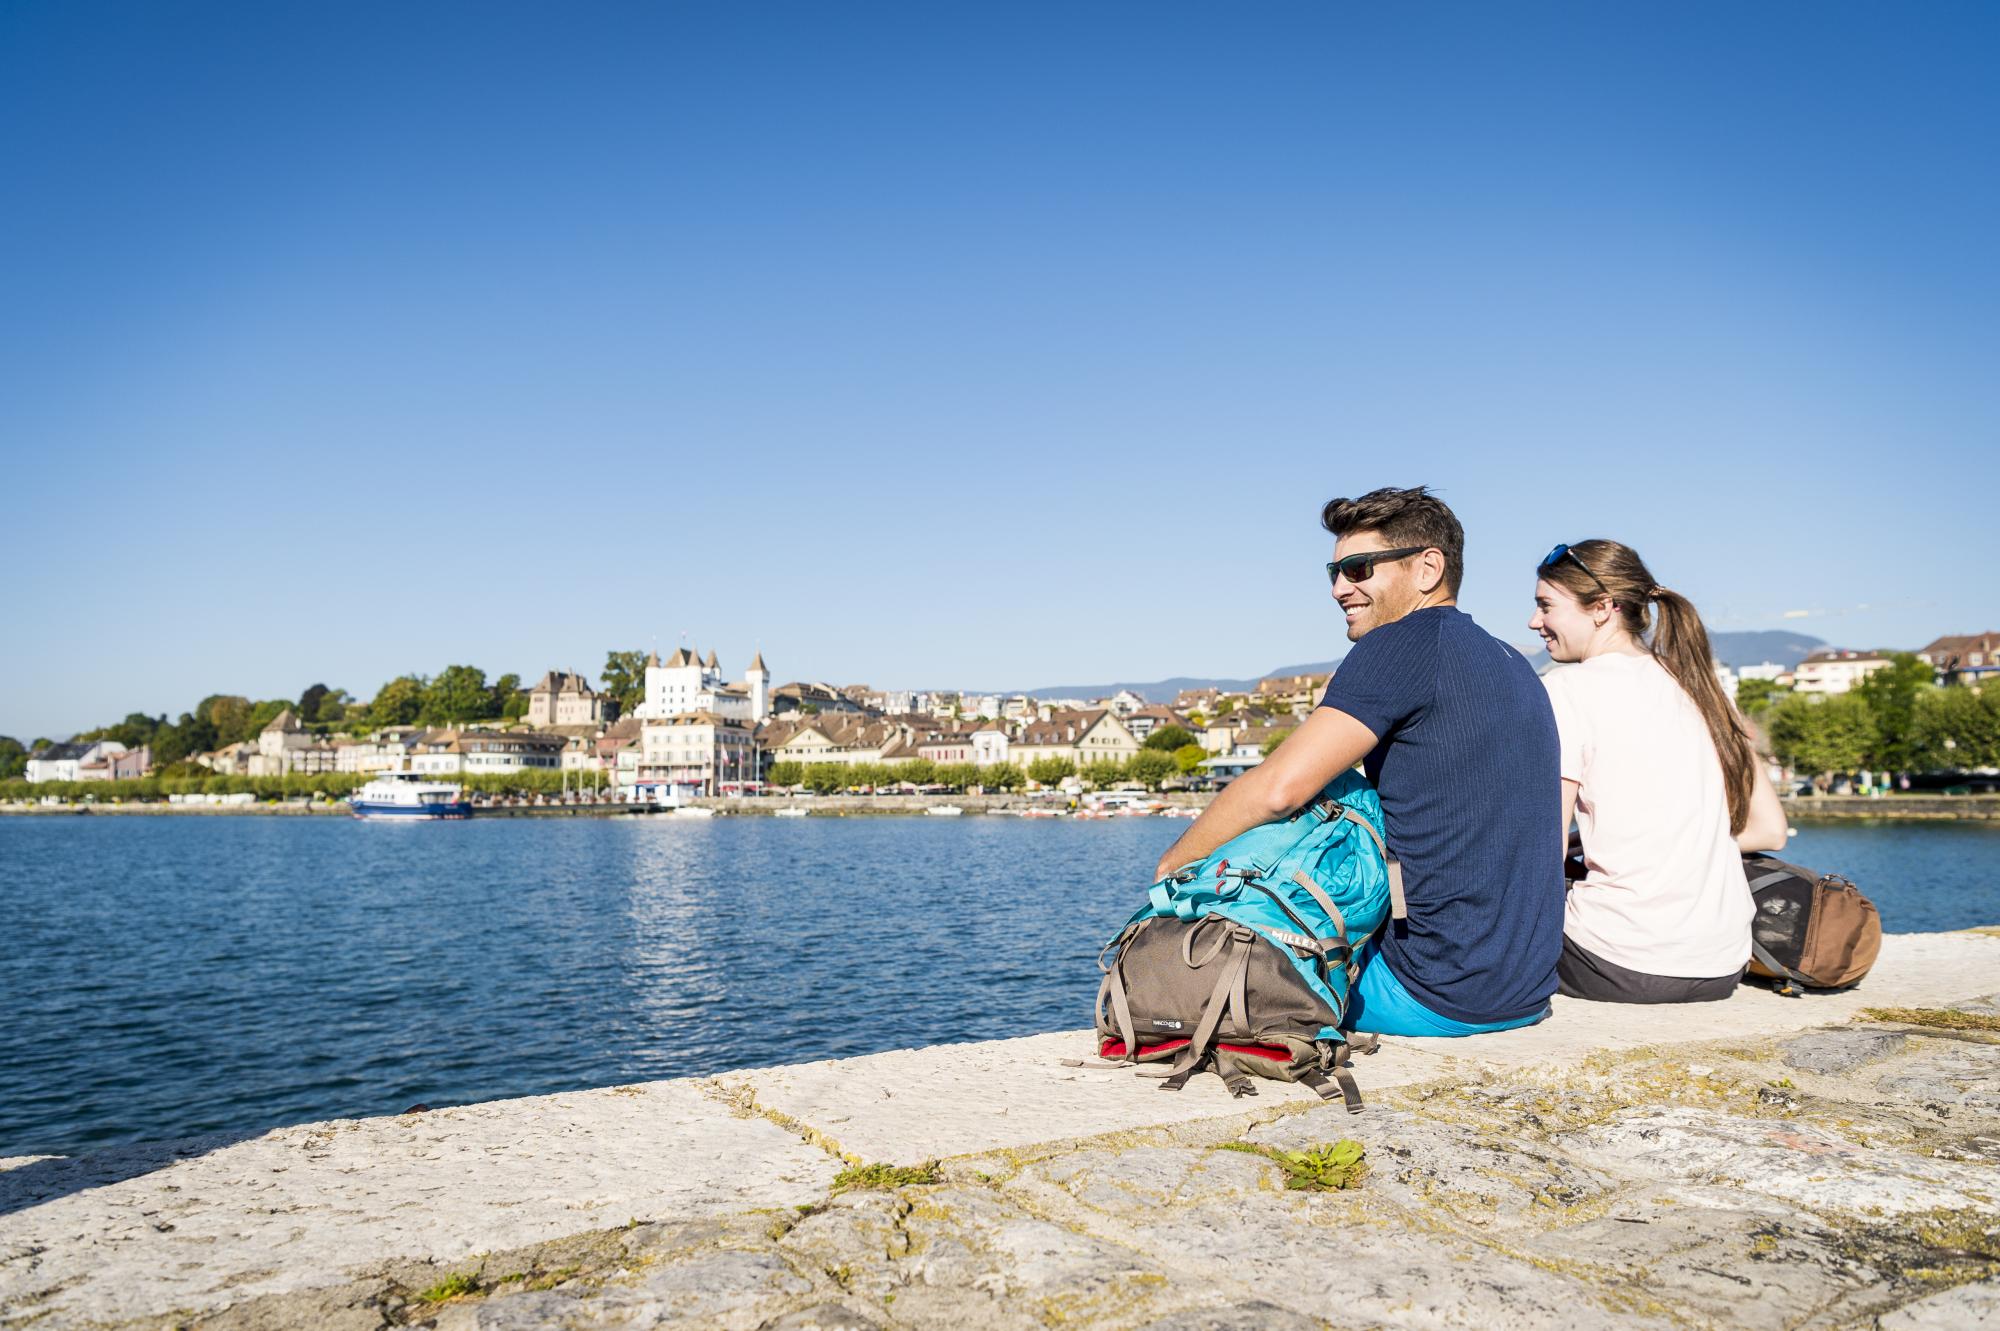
(685, 683)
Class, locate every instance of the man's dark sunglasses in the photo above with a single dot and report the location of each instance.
(1563, 551)
(1360, 568)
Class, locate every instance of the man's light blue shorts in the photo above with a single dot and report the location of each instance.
(1380, 1005)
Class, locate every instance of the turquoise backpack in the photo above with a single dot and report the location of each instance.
(1243, 962)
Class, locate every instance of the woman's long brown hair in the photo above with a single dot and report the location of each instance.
(1680, 643)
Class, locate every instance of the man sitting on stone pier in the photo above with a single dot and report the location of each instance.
(1457, 735)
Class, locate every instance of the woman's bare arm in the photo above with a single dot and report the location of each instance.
(1765, 829)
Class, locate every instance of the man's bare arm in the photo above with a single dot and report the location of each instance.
(1327, 744)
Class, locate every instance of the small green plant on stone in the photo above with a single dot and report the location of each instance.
(873, 1177)
(451, 1287)
(1328, 1168)
(1317, 1168)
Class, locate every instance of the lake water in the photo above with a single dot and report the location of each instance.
(167, 976)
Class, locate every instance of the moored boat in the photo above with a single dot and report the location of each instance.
(407, 796)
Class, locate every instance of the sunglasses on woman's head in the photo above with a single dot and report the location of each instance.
(1360, 568)
(1562, 551)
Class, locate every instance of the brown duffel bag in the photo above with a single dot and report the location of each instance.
(1812, 930)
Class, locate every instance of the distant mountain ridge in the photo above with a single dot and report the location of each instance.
(1164, 690)
(1750, 647)
(1779, 646)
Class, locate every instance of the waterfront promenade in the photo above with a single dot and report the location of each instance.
(1941, 808)
(1820, 1162)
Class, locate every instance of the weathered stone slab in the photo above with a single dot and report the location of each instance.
(1962, 1080)
(926, 1104)
(1829, 1052)
(1714, 1253)
(1480, 1178)
(1967, 1308)
(1797, 1162)
(203, 1225)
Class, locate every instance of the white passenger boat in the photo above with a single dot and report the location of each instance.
(944, 811)
(404, 796)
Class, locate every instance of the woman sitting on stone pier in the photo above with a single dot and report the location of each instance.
(1658, 772)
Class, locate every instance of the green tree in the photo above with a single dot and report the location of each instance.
(13, 758)
(229, 716)
(1822, 736)
(786, 774)
(957, 775)
(1957, 729)
(1891, 694)
(1002, 776)
(1168, 738)
(825, 778)
(506, 700)
(136, 729)
(624, 680)
(1051, 770)
(264, 713)
(182, 740)
(309, 702)
(457, 695)
(1150, 767)
(1278, 737)
(398, 703)
(1103, 774)
(1755, 696)
(333, 708)
(917, 771)
(1190, 757)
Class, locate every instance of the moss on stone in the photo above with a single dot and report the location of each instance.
(884, 1177)
(455, 1286)
(1940, 1018)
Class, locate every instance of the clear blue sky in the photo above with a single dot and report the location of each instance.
(936, 345)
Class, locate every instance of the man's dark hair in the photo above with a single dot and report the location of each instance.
(1403, 517)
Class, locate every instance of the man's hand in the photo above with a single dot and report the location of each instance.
(1327, 744)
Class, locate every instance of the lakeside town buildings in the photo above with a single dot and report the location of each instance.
(694, 731)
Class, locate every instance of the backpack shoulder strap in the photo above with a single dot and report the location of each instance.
(1398, 909)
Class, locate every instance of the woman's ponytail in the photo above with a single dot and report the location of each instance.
(1681, 645)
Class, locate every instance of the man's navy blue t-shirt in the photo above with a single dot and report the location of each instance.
(1471, 785)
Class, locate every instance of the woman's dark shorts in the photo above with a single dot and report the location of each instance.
(1581, 974)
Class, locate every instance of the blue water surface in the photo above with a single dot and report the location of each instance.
(164, 976)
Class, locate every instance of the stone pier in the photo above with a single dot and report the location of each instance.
(1829, 1161)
